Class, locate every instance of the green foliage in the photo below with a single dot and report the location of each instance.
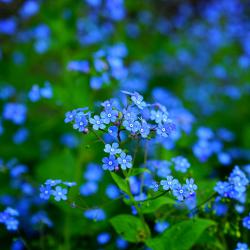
(181, 236)
(130, 228)
(121, 183)
(152, 206)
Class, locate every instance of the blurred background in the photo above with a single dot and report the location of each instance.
(55, 56)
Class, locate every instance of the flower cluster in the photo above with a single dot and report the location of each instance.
(36, 92)
(54, 188)
(235, 187)
(179, 191)
(9, 218)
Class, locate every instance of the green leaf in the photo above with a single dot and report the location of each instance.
(153, 205)
(130, 228)
(181, 236)
(137, 171)
(121, 183)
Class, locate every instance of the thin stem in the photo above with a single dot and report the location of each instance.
(99, 137)
(204, 202)
(145, 161)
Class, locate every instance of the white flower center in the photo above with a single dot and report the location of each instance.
(131, 125)
(109, 115)
(163, 129)
(124, 161)
(81, 123)
(110, 163)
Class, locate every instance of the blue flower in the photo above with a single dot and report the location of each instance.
(109, 163)
(155, 186)
(181, 164)
(138, 100)
(15, 112)
(180, 192)
(125, 161)
(95, 214)
(103, 238)
(60, 193)
(69, 184)
(8, 217)
(109, 115)
(97, 122)
(130, 113)
(158, 116)
(121, 243)
(88, 188)
(113, 131)
(52, 182)
(112, 191)
(161, 226)
(45, 192)
(241, 246)
(34, 94)
(246, 222)
(169, 183)
(165, 129)
(131, 125)
(93, 172)
(70, 116)
(80, 122)
(190, 186)
(112, 149)
(145, 129)
(81, 66)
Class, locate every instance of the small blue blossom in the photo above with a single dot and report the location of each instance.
(138, 100)
(180, 192)
(161, 226)
(97, 122)
(113, 131)
(93, 172)
(8, 217)
(60, 193)
(144, 129)
(70, 116)
(169, 183)
(246, 222)
(130, 113)
(80, 122)
(52, 182)
(165, 129)
(69, 184)
(88, 188)
(109, 115)
(45, 192)
(95, 214)
(131, 125)
(155, 186)
(112, 191)
(103, 238)
(80, 66)
(112, 149)
(34, 93)
(125, 161)
(15, 112)
(109, 163)
(41, 217)
(241, 246)
(181, 164)
(190, 186)
(121, 243)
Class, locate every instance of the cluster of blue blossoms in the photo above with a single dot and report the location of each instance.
(179, 191)
(9, 218)
(137, 120)
(235, 187)
(54, 188)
